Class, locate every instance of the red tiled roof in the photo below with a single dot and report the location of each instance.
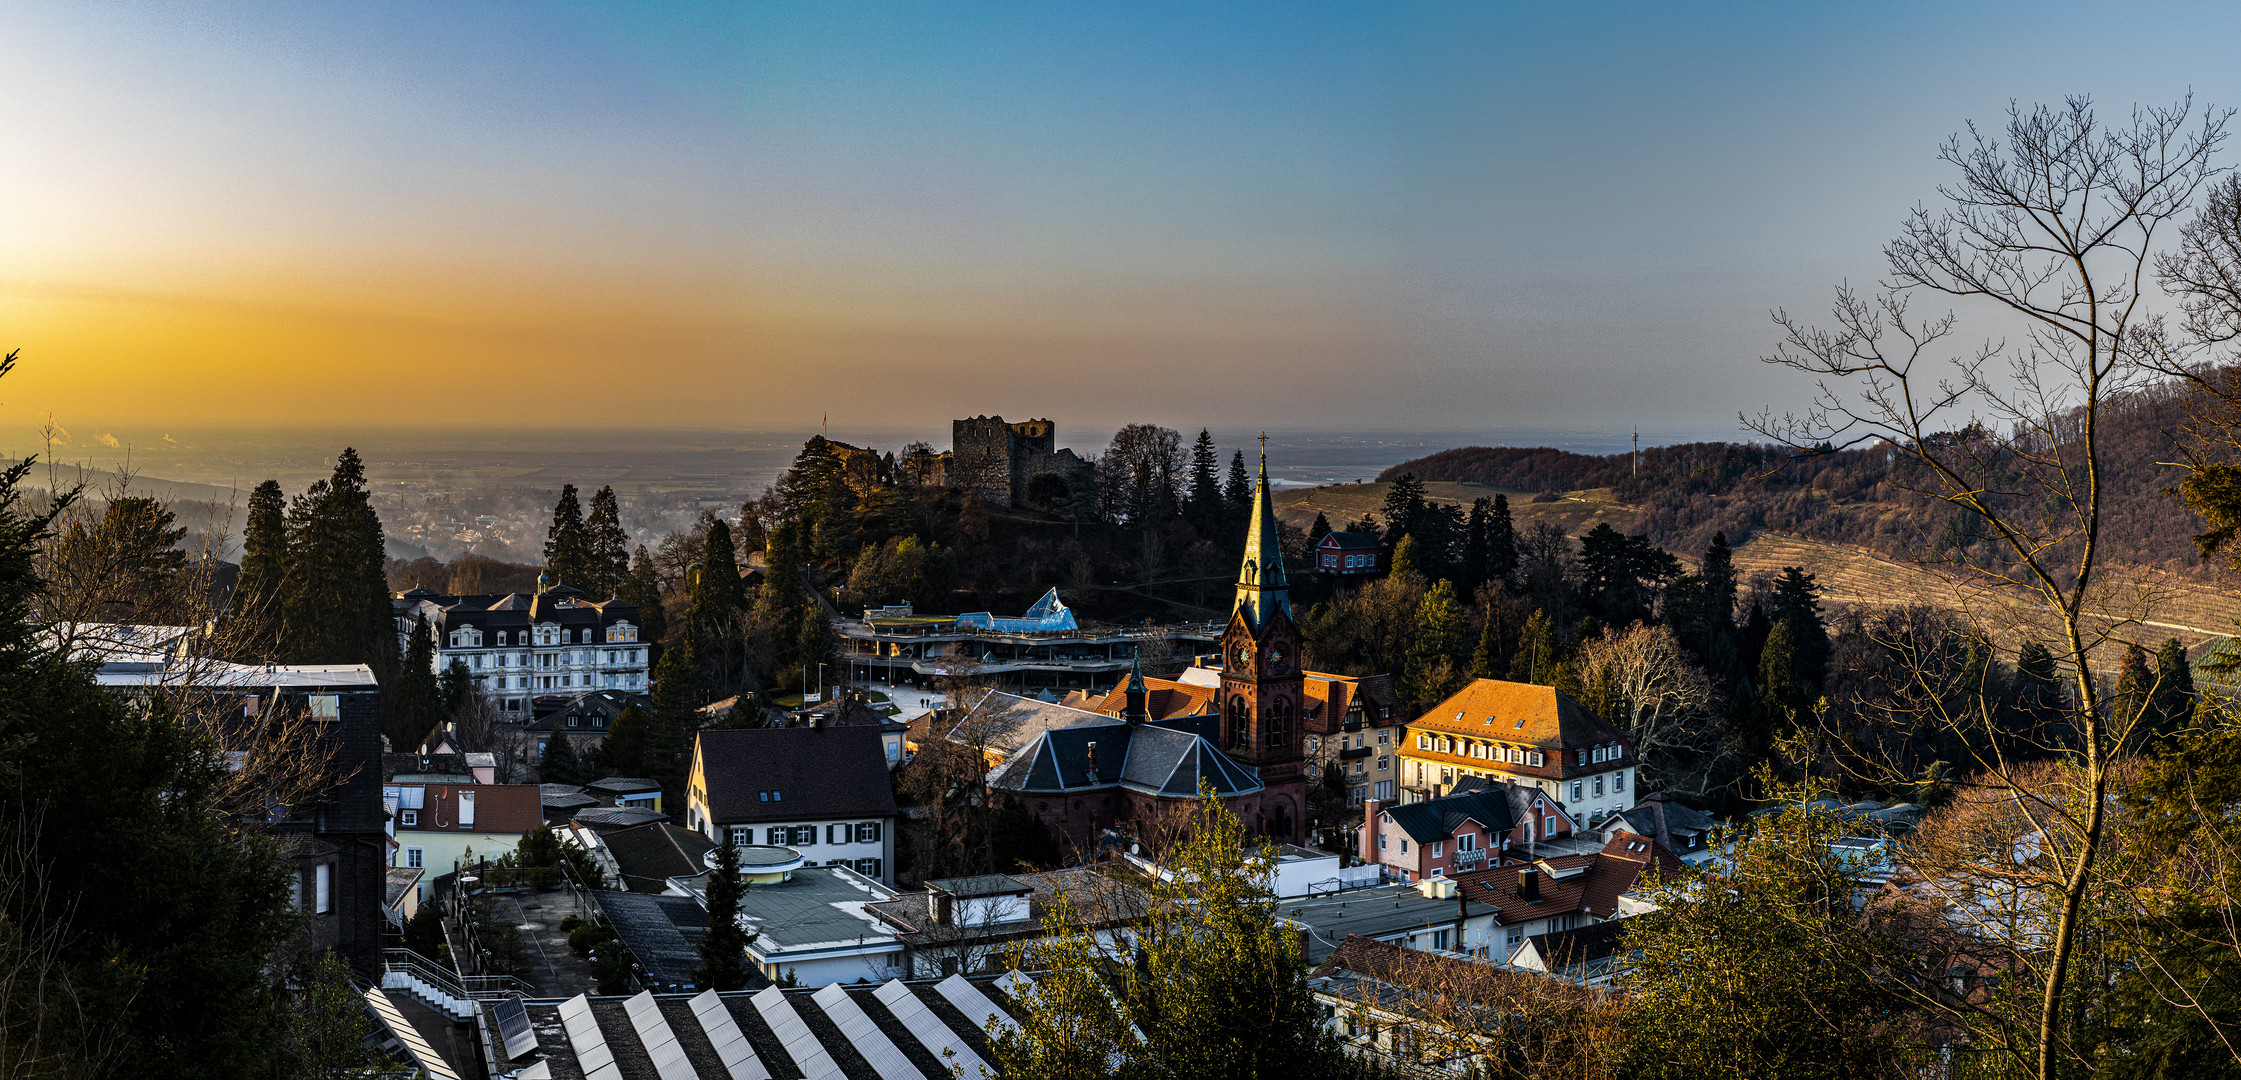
(1612, 872)
(499, 808)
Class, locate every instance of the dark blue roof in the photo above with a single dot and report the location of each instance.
(1435, 820)
(1153, 758)
(1351, 540)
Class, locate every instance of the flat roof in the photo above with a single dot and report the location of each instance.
(212, 674)
(1372, 913)
(816, 908)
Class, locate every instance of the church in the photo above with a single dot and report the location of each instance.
(1240, 733)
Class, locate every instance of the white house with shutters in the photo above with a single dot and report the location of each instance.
(823, 791)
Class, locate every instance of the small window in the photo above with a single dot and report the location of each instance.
(1618, 781)
(408, 818)
(868, 867)
(571, 720)
(1576, 787)
(1598, 787)
(1439, 849)
(867, 832)
(413, 857)
(322, 888)
(1404, 845)
(776, 836)
(326, 707)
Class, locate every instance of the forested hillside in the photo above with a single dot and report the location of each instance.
(1863, 496)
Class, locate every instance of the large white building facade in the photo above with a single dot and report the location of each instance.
(518, 648)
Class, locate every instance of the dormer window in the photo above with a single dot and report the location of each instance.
(501, 637)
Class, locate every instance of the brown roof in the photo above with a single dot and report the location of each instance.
(1611, 873)
(1520, 713)
(1168, 700)
(499, 808)
(1442, 977)
(794, 774)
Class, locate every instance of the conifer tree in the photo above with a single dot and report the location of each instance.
(335, 605)
(717, 593)
(1501, 541)
(455, 689)
(609, 546)
(1404, 559)
(1487, 661)
(643, 588)
(1204, 505)
(1442, 633)
(264, 569)
(1537, 655)
(1797, 597)
(630, 740)
(559, 763)
(1237, 491)
(1783, 684)
(2133, 705)
(723, 949)
(1317, 531)
(2174, 688)
(419, 707)
(568, 554)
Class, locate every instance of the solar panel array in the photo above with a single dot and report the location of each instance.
(732, 1047)
(975, 1005)
(423, 1054)
(885, 1058)
(513, 1027)
(660, 1042)
(928, 1029)
(590, 1044)
(801, 1044)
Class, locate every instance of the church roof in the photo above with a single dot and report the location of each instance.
(1150, 758)
(1261, 584)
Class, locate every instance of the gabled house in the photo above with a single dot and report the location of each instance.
(1481, 826)
(443, 827)
(1684, 831)
(823, 791)
(1588, 955)
(1533, 735)
(1566, 892)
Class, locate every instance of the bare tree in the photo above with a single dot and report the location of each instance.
(2050, 227)
(1666, 704)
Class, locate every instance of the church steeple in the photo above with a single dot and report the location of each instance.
(1136, 694)
(1261, 586)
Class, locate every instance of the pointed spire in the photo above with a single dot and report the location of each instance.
(1137, 694)
(1261, 585)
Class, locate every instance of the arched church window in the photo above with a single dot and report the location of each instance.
(1240, 722)
(1280, 723)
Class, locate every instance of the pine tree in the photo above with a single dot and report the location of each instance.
(1442, 633)
(630, 739)
(1537, 655)
(419, 706)
(264, 570)
(1783, 694)
(1404, 559)
(2174, 688)
(1317, 531)
(1205, 506)
(1719, 584)
(1487, 661)
(610, 546)
(1238, 493)
(335, 605)
(723, 949)
(2133, 704)
(1405, 510)
(559, 763)
(455, 689)
(643, 588)
(1501, 541)
(1797, 598)
(568, 555)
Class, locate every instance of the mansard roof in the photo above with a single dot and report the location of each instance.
(1519, 713)
(1151, 758)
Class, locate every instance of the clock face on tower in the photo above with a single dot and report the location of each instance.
(1275, 660)
(1244, 657)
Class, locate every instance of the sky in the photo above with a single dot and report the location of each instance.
(752, 216)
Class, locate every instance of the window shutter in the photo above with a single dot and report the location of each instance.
(775, 836)
(832, 833)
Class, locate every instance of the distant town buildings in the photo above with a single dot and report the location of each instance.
(554, 642)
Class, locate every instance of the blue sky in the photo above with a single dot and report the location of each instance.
(1360, 216)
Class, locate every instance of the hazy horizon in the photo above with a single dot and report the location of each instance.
(1427, 217)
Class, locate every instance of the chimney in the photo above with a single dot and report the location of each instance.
(1369, 832)
(1093, 761)
(1529, 884)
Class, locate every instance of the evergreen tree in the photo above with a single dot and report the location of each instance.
(1476, 530)
(782, 563)
(1317, 531)
(1797, 597)
(630, 741)
(264, 569)
(609, 545)
(1218, 987)
(559, 763)
(814, 643)
(1442, 634)
(717, 592)
(1204, 505)
(419, 705)
(2133, 704)
(1404, 559)
(1501, 541)
(456, 689)
(174, 913)
(1784, 690)
(1719, 584)
(2174, 688)
(1620, 574)
(1487, 661)
(723, 949)
(328, 1031)
(643, 588)
(1537, 655)
(1405, 513)
(335, 605)
(1238, 492)
(568, 555)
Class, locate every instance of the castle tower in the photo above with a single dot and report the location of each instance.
(1263, 693)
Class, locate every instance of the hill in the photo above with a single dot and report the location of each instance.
(1862, 498)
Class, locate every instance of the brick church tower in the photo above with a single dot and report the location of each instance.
(1262, 692)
